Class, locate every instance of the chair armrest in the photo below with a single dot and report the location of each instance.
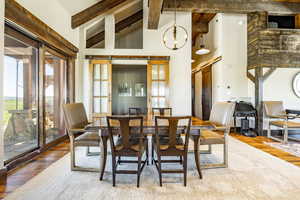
(76, 130)
(295, 112)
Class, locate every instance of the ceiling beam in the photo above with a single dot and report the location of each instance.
(101, 8)
(155, 8)
(235, 6)
(119, 27)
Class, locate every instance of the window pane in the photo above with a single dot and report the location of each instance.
(20, 97)
(97, 105)
(154, 72)
(155, 88)
(162, 72)
(55, 96)
(162, 102)
(104, 72)
(104, 88)
(104, 105)
(97, 71)
(97, 88)
(162, 88)
(155, 102)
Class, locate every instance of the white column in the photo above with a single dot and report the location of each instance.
(1, 82)
(110, 32)
(80, 65)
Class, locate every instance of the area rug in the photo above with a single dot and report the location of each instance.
(251, 175)
(290, 147)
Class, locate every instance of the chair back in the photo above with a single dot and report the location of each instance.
(274, 108)
(222, 114)
(127, 127)
(75, 116)
(176, 127)
(162, 111)
(134, 111)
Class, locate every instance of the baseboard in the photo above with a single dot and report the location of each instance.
(3, 176)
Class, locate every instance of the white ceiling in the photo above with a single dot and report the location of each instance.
(76, 6)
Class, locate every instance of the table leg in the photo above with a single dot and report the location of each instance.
(103, 155)
(196, 153)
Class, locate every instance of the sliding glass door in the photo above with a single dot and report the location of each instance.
(20, 95)
(55, 67)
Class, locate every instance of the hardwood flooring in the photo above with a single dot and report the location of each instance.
(21, 175)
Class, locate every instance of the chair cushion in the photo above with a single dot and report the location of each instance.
(163, 141)
(211, 137)
(134, 144)
(283, 123)
(88, 139)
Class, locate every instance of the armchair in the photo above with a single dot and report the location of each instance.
(279, 117)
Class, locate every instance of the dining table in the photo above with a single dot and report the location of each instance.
(101, 126)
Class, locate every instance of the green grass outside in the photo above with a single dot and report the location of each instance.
(10, 105)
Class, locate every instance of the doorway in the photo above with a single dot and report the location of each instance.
(206, 92)
(129, 88)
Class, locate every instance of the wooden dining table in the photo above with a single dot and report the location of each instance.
(148, 129)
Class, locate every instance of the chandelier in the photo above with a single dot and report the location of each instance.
(175, 37)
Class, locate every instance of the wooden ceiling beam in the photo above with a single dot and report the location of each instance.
(119, 27)
(234, 6)
(155, 8)
(101, 8)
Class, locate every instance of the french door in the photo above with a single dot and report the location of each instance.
(101, 87)
(158, 84)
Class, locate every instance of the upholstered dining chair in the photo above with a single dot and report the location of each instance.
(278, 117)
(220, 120)
(131, 143)
(174, 145)
(76, 121)
(162, 111)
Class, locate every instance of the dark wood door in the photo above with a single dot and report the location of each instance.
(206, 92)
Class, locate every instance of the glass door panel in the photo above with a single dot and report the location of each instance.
(20, 97)
(100, 71)
(158, 80)
(55, 96)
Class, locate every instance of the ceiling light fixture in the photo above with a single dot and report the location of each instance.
(202, 50)
(175, 37)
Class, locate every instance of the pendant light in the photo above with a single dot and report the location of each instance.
(202, 50)
(175, 37)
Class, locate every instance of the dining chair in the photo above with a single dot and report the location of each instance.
(279, 117)
(131, 143)
(162, 111)
(175, 145)
(134, 111)
(220, 120)
(76, 121)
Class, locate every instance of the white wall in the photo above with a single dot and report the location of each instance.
(54, 15)
(180, 60)
(227, 37)
(1, 80)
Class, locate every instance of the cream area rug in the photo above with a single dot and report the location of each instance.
(290, 147)
(252, 175)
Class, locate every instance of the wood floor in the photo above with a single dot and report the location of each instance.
(21, 175)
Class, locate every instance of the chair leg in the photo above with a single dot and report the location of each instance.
(152, 154)
(73, 165)
(159, 170)
(147, 153)
(286, 134)
(184, 169)
(226, 153)
(114, 170)
(269, 131)
(139, 170)
(180, 157)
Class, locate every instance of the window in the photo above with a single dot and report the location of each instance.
(20, 94)
(54, 94)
